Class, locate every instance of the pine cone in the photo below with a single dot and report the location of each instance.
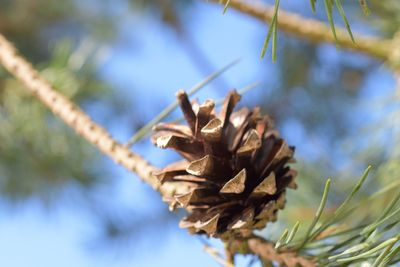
(235, 166)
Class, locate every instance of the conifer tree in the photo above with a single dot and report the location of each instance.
(236, 170)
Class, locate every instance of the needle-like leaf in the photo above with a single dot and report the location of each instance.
(383, 255)
(328, 10)
(312, 2)
(346, 22)
(385, 262)
(341, 210)
(373, 226)
(292, 233)
(280, 241)
(371, 251)
(317, 214)
(274, 33)
(226, 6)
(271, 29)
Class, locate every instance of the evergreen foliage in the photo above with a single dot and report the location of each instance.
(333, 223)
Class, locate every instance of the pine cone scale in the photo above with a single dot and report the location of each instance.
(235, 166)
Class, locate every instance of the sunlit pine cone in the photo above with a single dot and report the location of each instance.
(235, 166)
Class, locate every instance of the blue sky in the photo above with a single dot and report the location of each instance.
(32, 236)
(147, 63)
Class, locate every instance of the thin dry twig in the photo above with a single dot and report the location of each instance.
(266, 251)
(217, 256)
(313, 30)
(230, 257)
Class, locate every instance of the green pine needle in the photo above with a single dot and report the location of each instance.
(350, 246)
(337, 246)
(341, 211)
(359, 184)
(226, 6)
(373, 226)
(328, 10)
(390, 206)
(370, 252)
(274, 35)
(390, 256)
(346, 22)
(351, 250)
(292, 233)
(344, 232)
(386, 211)
(280, 242)
(266, 41)
(383, 255)
(272, 28)
(317, 214)
(312, 2)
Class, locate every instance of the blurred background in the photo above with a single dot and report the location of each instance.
(64, 204)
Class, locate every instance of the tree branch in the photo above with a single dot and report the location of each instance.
(84, 126)
(266, 251)
(78, 120)
(313, 30)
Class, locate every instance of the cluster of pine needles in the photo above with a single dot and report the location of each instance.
(330, 5)
(332, 241)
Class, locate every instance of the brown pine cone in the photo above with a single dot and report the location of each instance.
(235, 165)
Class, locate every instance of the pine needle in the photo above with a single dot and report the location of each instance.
(389, 257)
(359, 184)
(383, 255)
(280, 241)
(328, 10)
(226, 6)
(346, 22)
(270, 31)
(292, 233)
(317, 214)
(351, 250)
(312, 2)
(342, 208)
(373, 226)
(371, 251)
(386, 211)
(274, 34)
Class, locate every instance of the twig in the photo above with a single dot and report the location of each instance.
(216, 255)
(77, 119)
(266, 251)
(100, 138)
(313, 30)
(230, 257)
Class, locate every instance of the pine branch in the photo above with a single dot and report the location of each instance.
(372, 246)
(266, 251)
(84, 126)
(335, 242)
(77, 119)
(315, 31)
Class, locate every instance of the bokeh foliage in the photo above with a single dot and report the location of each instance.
(40, 156)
